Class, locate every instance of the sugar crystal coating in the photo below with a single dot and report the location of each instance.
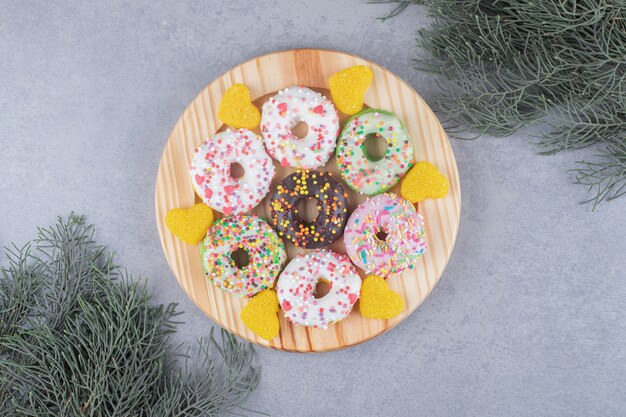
(348, 87)
(260, 314)
(236, 108)
(424, 181)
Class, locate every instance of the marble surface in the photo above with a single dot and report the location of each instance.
(528, 319)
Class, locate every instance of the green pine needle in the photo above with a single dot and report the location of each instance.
(510, 63)
(79, 337)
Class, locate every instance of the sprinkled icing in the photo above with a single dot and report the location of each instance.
(331, 206)
(266, 254)
(290, 107)
(405, 235)
(361, 173)
(296, 286)
(210, 171)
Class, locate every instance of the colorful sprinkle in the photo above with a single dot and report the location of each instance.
(331, 206)
(211, 171)
(385, 235)
(296, 288)
(284, 111)
(265, 250)
(358, 169)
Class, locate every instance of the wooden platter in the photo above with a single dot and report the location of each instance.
(264, 76)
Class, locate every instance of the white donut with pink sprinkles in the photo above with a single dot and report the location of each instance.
(297, 283)
(290, 107)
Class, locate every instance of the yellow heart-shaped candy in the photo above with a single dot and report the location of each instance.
(378, 301)
(424, 181)
(236, 108)
(261, 314)
(348, 88)
(190, 225)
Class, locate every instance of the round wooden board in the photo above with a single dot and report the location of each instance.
(264, 76)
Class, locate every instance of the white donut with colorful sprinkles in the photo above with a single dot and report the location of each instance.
(290, 107)
(211, 171)
(296, 288)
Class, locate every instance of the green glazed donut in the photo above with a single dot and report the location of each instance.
(360, 171)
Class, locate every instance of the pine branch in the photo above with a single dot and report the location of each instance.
(508, 64)
(81, 338)
(606, 176)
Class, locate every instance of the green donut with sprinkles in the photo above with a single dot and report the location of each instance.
(363, 173)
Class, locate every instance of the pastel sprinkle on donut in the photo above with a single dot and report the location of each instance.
(297, 285)
(190, 224)
(290, 107)
(424, 181)
(251, 234)
(385, 235)
(348, 88)
(378, 301)
(212, 177)
(236, 108)
(261, 314)
(360, 170)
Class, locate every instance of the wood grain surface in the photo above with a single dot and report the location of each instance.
(264, 76)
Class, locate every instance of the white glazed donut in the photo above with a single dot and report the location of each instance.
(290, 107)
(296, 288)
(211, 176)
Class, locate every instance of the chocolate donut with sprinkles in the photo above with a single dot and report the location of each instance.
(385, 235)
(361, 171)
(331, 206)
(265, 250)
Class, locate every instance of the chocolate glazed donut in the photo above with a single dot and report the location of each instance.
(331, 205)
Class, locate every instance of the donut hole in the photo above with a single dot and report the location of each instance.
(236, 170)
(321, 288)
(381, 235)
(300, 130)
(240, 257)
(308, 209)
(374, 147)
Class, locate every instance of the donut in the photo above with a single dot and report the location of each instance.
(358, 169)
(211, 171)
(265, 250)
(288, 108)
(331, 206)
(296, 288)
(366, 244)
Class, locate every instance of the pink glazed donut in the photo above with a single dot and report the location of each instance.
(385, 235)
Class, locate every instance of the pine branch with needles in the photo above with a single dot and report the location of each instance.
(80, 337)
(508, 64)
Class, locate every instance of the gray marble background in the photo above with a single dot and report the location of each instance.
(528, 318)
